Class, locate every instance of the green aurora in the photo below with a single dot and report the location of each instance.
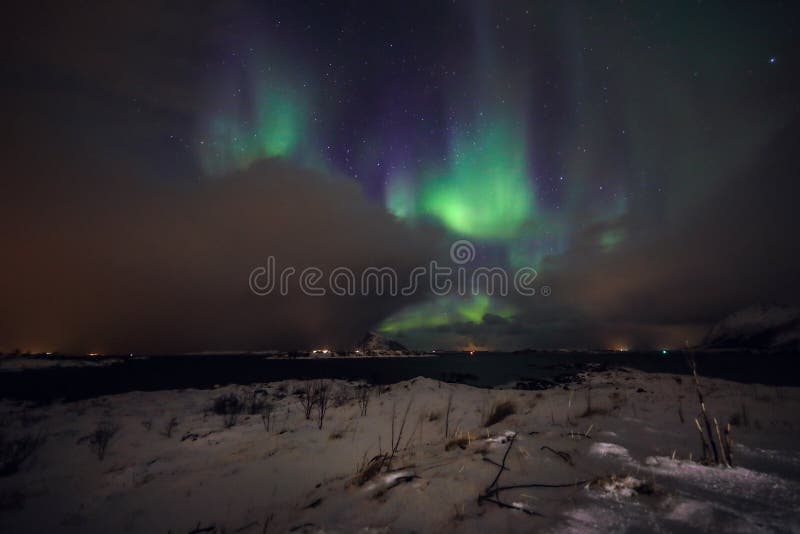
(479, 185)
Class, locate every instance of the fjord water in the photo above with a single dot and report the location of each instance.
(76, 378)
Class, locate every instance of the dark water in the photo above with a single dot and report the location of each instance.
(534, 370)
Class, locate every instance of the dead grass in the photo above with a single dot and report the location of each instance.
(15, 452)
(590, 410)
(369, 470)
(500, 411)
(461, 443)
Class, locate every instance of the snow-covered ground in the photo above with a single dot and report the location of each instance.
(618, 444)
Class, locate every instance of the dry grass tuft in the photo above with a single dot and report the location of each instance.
(499, 412)
(15, 452)
(461, 443)
(370, 470)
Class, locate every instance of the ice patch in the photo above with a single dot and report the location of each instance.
(691, 512)
(784, 457)
(625, 487)
(608, 449)
(392, 478)
(521, 506)
(507, 435)
(756, 498)
(594, 519)
(716, 477)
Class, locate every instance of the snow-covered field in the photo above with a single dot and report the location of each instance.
(617, 445)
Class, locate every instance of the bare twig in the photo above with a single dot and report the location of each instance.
(729, 444)
(396, 443)
(693, 365)
(198, 529)
(447, 416)
(561, 454)
(502, 467)
(703, 441)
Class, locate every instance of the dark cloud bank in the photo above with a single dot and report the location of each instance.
(104, 265)
(96, 262)
(734, 247)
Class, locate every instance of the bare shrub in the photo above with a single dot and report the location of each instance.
(101, 437)
(225, 404)
(434, 416)
(341, 396)
(266, 415)
(229, 420)
(363, 394)
(229, 407)
(256, 402)
(499, 411)
(322, 393)
(307, 399)
(15, 452)
(171, 425)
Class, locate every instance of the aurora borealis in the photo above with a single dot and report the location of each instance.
(627, 151)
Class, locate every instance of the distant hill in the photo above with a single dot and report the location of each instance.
(757, 327)
(375, 344)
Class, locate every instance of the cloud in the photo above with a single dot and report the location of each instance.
(99, 263)
(664, 285)
(735, 247)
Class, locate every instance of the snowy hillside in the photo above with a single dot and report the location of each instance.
(758, 327)
(375, 344)
(614, 453)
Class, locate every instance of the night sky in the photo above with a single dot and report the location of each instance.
(641, 156)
